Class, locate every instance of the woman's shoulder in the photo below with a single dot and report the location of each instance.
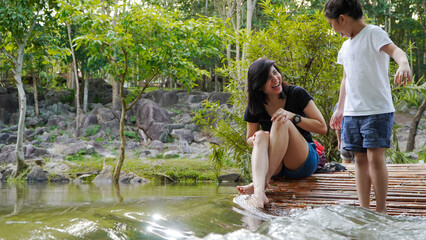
(295, 89)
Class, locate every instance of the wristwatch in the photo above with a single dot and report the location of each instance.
(296, 119)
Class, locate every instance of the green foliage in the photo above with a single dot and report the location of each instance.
(69, 98)
(52, 138)
(99, 139)
(92, 130)
(305, 48)
(132, 135)
(412, 94)
(228, 126)
(74, 157)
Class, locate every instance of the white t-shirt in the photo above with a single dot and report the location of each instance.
(367, 84)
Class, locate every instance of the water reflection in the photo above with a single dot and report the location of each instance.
(180, 211)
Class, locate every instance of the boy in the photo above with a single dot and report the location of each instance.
(365, 99)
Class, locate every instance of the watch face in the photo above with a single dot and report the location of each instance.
(296, 119)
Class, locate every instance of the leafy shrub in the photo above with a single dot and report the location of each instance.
(132, 135)
(305, 48)
(69, 98)
(92, 130)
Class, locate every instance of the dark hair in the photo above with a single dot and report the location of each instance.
(334, 8)
(257, 76)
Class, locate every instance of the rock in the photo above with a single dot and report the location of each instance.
(32, 152)
(157, 145)
(86, 177)
(56, 167)
(4, 137)
(168, 99)
(6, 172)
(183, 118)
(220, 97)
(7, 154)
(105, 176)
(183, 135)
(12, 139)
(37, 174)
(233, 177)
(184, 146)
(131, 178)
(33, 122)
(151, 118)
(58, 178)
(171, 154)
(78, 147)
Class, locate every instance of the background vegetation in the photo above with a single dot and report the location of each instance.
(192, 44)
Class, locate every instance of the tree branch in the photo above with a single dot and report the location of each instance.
(147, 82)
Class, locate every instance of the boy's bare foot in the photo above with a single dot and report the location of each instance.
(247, 189)
(259, 202)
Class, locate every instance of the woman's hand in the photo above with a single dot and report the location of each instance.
(282, 116)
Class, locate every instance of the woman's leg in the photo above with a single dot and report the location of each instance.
(379, 176)
(260, 166)
(287, 146)
(363, 179)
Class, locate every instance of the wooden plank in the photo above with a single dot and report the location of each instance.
(406, 191)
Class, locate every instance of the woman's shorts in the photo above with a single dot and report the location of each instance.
(307, 169)
(363, 132)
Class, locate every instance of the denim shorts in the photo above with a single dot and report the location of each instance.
(306, 170)
(363, 132)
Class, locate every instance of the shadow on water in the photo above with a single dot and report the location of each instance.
(178, 211)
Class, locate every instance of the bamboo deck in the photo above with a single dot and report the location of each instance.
(406, 192)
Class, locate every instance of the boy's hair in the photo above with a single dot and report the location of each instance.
(334, 8)
(257, 76)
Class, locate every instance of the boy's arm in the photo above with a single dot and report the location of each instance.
(403, 74)
(336, 119)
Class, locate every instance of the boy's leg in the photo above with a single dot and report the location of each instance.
(379, 176)
(363, 179)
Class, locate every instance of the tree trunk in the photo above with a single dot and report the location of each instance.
(117, 170)
(20, 158)
(86, 94)
(77, 85)
(251, 4)
(115, 85)
(414, 125)
(36, 112)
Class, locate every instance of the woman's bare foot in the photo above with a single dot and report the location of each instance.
(247, 189)
(259, 202)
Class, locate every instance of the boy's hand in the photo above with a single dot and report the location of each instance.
(403, 75)
(336, 120)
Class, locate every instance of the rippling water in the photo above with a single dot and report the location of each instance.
(180, 211)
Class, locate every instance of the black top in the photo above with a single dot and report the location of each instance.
(296, 101)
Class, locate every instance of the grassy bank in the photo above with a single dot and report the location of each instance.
(155, 169)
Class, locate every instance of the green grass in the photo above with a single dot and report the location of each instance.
(182, 170)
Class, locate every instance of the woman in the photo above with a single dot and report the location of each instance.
(279, 119)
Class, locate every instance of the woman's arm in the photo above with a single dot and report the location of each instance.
(252, 128)
(314, 121)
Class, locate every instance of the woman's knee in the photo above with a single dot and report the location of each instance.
(279, 126)
(262, 137)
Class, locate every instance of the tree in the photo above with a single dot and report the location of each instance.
(305, 49)
(153, 40)
(17, 21)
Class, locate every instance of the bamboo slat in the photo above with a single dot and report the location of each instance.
(406, 191)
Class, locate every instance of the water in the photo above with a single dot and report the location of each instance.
(178, 211)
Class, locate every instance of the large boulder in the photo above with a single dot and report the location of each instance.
(37, 174)
(151, 118)
(7, 154)
(33, 152)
